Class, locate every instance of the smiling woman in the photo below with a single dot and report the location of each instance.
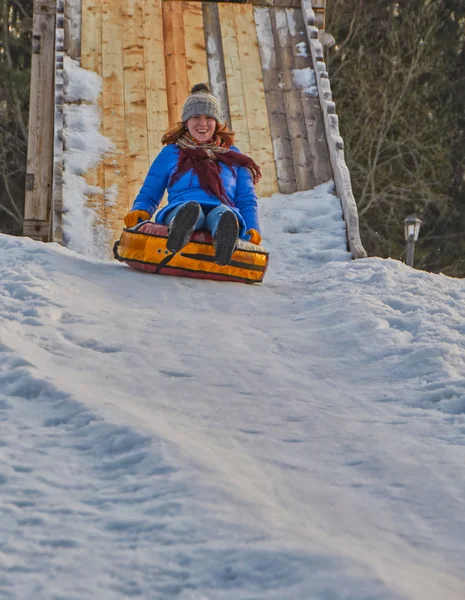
(210, 183)
(201, 127)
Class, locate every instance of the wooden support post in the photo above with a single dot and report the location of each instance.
(319, 9)
(215, 57)
(177, 86)
(72, 28)
(38, 200)
(293, 107)
(339, 167)
(313, 116)
(274, 97)
(57, 191)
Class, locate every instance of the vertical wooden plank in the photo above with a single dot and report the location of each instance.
(275, 103)
(299, 61)
(319, 9)
(91, 36)
(313, 116)
(155, 75)
(232, 65)
(41, 123)
(314, 124)
(135, 110)
(113, 112)
(72, 28)
(196, 54)
(341, 173)
(294, 112)
(215, 57)
(257, 117)
(91, 59)
(57, 196)
(175, 60)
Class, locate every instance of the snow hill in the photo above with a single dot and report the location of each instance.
(167, 438)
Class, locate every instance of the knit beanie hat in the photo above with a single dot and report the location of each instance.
(201, 102)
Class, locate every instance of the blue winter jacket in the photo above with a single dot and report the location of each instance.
(237, 182)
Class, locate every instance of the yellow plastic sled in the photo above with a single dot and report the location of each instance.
(143, 247)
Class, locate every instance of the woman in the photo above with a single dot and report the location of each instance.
(210, 183)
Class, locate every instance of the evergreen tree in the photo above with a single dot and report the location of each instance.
(397, 74)
(15, 61)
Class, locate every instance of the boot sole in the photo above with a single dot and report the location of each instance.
(182, 227)
(226, 238)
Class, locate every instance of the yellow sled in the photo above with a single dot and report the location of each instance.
(143, 247)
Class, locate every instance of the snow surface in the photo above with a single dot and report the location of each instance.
(172, 438)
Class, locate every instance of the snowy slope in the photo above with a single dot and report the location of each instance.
(171, 438)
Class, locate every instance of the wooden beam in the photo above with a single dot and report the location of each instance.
(215, 57)
(261, 147)
(279, 3)
(275, 102)
(270, 3)
(294, 112)
(135, 109)
(38, 196)
(339, 167)
(91, 36)
(155, 76)
(196, 54)
(313, 116)
(237, 106)
(319, 8)
(57, 193)
(91, 59)
(37, 230)
(175, 60)
(72, 28)
(115, 169)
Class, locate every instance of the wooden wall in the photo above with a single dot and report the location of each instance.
(151, 52)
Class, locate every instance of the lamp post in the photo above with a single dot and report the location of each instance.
(412, 226)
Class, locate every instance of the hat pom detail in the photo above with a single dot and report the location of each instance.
(201, 87)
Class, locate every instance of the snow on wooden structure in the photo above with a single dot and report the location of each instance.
(39, 174)
(261, 58)
(335, 142)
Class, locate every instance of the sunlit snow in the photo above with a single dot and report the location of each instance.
(173, 438)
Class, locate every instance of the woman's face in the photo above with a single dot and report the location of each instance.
(201, 127)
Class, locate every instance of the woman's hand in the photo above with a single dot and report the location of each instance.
(254, 236)
(133, 217)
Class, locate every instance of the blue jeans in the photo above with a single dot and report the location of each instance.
(209, 221)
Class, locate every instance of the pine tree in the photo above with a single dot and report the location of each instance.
(397, 74)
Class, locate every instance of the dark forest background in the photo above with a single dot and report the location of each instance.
(397, 73)
(15, 62)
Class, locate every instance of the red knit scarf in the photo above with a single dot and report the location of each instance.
(203, 159)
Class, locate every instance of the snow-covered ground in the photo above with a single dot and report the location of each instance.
(167, 438)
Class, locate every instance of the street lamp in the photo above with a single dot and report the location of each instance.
(412, 226)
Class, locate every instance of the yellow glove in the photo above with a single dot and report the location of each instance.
(133, 217)
(255, 237)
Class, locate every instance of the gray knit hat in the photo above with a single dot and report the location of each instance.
(201, 102)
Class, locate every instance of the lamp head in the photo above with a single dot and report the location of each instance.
(412, 226)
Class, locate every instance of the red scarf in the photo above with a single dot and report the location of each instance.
(203, 159)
